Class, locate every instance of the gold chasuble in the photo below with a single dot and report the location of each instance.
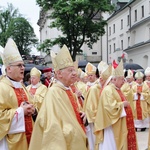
(38, 94)
(131, 137)
(109, 113)
(81, 87)
(91, 102)
(57, 126)
(128, 93)
(141, 105)
(10, 99)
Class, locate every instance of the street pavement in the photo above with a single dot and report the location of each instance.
(142, 138)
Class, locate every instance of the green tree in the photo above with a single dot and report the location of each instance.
(80, 21)
(23, 34)
(6, 15)
(13, 24)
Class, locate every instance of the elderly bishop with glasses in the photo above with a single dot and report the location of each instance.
(16, 108)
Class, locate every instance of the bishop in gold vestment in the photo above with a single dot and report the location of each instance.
(16, 109)
(36, 88)
(56, 126)
(59, 125)
(114, 126)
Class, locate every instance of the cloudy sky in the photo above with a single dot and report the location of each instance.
(28, 8)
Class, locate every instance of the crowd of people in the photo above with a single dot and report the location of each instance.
(73, 109)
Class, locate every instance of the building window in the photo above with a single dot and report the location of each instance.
(128, 20)
(133, 37)
(128, 41)
(94, 53)
(149, 6)
(135, 15)
(142, 11)
(121, 23)
(114, 47)
(122, 44)
(149, 33)
(113, 28)
(109, 30)
(109, 49)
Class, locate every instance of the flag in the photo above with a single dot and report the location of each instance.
(123, 55)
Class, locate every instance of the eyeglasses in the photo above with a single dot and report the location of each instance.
(19, 65)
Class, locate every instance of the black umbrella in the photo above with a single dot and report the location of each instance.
(132, 66)
(82, 64)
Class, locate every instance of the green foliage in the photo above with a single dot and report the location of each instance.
(12, 24)
(6, 14)
(1, 62)
(23, 34)
(80, 21)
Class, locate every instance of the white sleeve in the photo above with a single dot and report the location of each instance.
(123, 114)
(18, 123)
(141, 97)
(3, 144)
(135, 96)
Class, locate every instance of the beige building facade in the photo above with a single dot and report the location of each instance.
(127, 31)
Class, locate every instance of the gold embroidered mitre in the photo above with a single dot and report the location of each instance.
(102, 65)
(11, 53)
(106, 72)
(35, 72)
(81, 74)
(118, 71)
(90, 69)
(147, 71)
(129, 74)
(139, 75)
(62, 59)
(84, 75)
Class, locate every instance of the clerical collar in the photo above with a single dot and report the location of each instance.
(130, 83)
(15, 83)
(67, 88)
(139, 84)
(147, 81)
(90, 83)
(35, 86)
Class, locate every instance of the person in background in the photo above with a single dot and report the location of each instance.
(140, 102)
(27, 80)
(36, 88)
(147, 81)
(92, 100)
(47, 76)
(127, 88)
(90, 70)
(59, 124)
(80, 84)
(16, 108)
(114, 124)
